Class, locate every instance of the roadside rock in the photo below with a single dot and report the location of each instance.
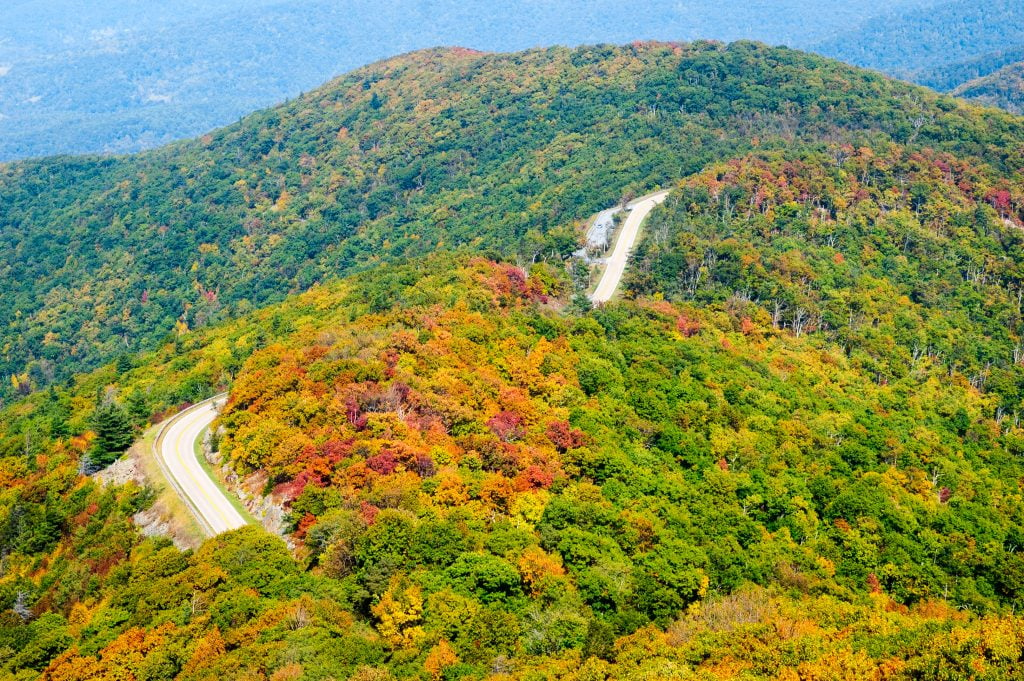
(264, 508)
(155, 521)
(121, 472)
(152, 522)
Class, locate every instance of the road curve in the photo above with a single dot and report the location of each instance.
(616, 264)
(175, 449)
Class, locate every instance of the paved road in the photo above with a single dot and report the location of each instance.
(177, 453)
(617, 261)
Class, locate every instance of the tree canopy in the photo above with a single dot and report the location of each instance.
(429, 151)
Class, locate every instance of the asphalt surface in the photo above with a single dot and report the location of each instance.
(616, 263)
(176, 447)
(177, 452)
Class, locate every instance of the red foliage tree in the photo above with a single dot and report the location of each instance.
(564, 437)
(507, 425)
(307, 521)
(424, 466)
(384, 463)
(1001, 200)
(873, 584)
(289, 491)
(688, 327)
(534, 477)
(368, 512)
(355, 414)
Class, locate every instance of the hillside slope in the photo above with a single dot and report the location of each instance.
(951, 76)
(436, 150)
(1004, 88)
(147, 73)
(478, 482)
(972, 50)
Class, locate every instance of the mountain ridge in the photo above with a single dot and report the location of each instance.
(792, 450)
(294, 194)
(907, 44)
(1003, 88)
(193, 67)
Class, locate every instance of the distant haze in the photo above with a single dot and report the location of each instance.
(123, 75)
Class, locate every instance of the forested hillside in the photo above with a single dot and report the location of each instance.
(430, 151)
(915, 44)
(902, 256)
(972, 50)
(1004, 88)
(792, 451)
(479, 484)
(951, 76)
(151, 72)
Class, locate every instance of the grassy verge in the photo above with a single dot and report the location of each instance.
(212, 473)
(168, 504)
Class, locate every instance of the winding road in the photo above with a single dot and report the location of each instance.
(616, 263)
(175, 449)
(178, 440)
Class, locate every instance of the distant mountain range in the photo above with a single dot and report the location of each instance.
(945, 47)
(77, 77)
(1004, 88)
(914, 44)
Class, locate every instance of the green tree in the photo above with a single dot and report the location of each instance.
(114, 434)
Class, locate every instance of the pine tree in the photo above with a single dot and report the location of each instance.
(114, 433)
(581, 305)
(138, 407)
(124, 364)
(58, 408)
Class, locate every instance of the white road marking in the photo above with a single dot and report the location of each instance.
(176, 449)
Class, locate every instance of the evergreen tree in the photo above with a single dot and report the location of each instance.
(114, 433)
(581, 305)
(124, 364)
(138, 407)
(58, 409)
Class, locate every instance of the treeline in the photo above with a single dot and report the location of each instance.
(430, 151)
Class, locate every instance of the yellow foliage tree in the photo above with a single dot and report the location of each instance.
(70, 667)
(399, 614)
(289, 672)
(207, 649)
(534, 565)
(79, 617)
(451, 490)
